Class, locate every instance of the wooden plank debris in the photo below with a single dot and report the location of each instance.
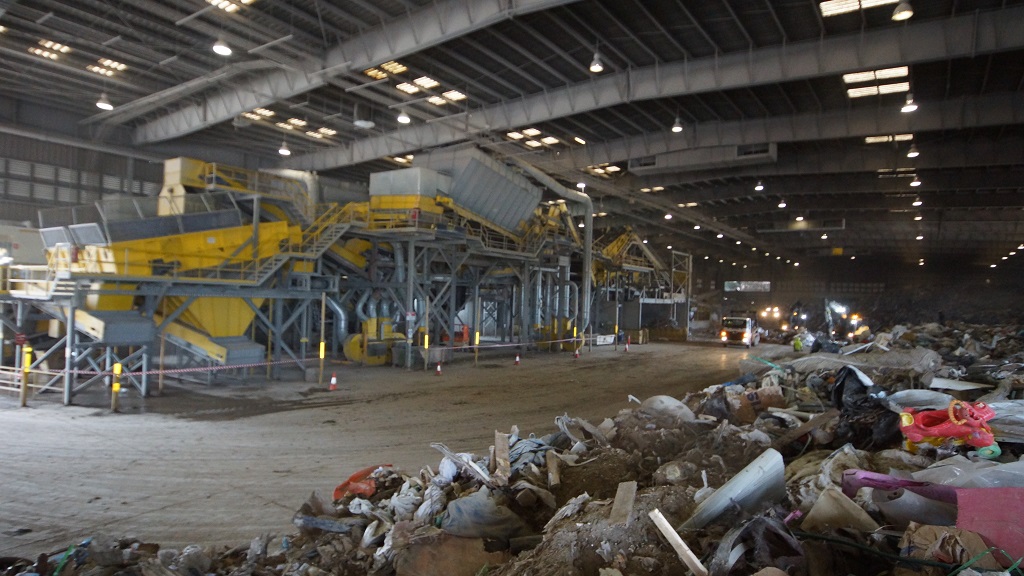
(502, 466)
(552, 461)
(817, 421)
(684, 552)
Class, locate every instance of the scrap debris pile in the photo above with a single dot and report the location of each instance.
(897, 457)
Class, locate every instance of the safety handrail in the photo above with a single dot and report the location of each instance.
(263, 184)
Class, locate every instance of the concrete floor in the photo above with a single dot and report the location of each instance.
(219, 465)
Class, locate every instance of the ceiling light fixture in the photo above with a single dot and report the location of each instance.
(903, 11)
(909, 105)
(720, 235)
(678, 126)
(668, 216)
(913, 152)
(799, 218)
(220, 47)
(915, 182)
(919, 237)
(283, 150)
(595, 65)
(759, 186)
(782, 202)
(824, 236)
(103, 103)
(403, 117)
(918, 218)
(696, 226)
(917, 202)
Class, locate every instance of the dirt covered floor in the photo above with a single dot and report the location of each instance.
(222, 464)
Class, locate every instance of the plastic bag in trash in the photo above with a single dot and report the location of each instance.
(480, 516)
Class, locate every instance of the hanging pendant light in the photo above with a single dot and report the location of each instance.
(103, 103)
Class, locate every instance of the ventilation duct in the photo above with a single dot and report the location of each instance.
(705, 159)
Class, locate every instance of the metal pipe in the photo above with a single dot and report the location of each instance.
(340, 321)
(587, 205)
(360, 314)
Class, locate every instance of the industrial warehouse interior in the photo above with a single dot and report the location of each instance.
(544, 287)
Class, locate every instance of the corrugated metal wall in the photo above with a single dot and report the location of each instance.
(485, 186)
(42, 175)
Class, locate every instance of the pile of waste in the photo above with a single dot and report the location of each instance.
(898, 456)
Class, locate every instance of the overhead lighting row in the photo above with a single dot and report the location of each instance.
(604, 170)
(49, 49)
(393, 68)
(531, 138)
(1020, 248)
(229, 5)
(291, 124)
(885, 138)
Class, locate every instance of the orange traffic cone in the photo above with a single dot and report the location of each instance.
(517, 359)
(334, 382)
(438, 371)
(627, 343)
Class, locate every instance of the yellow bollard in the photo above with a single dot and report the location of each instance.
(26, 366)
(476, 348)
(115, 388)
(323, 354)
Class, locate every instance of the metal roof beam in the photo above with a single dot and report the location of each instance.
(984, 111)
(411, 33)
(844, 159)
(946, 181)
(957, 37)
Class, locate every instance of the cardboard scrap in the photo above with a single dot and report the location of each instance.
(942, 544)
(622, 508)
(833, 510)
(447, 556)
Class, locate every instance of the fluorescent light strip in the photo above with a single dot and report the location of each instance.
(100, 70)
(393, 67)
(884, 74)
(894, 88)
(407, 88)
(114, 65)
(426, 82)
(228, 5)
(836, 7)
(888, 138)
(862, 91)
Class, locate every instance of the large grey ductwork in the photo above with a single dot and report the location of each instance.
(587, 205)
(360, 313)
(341, 320)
